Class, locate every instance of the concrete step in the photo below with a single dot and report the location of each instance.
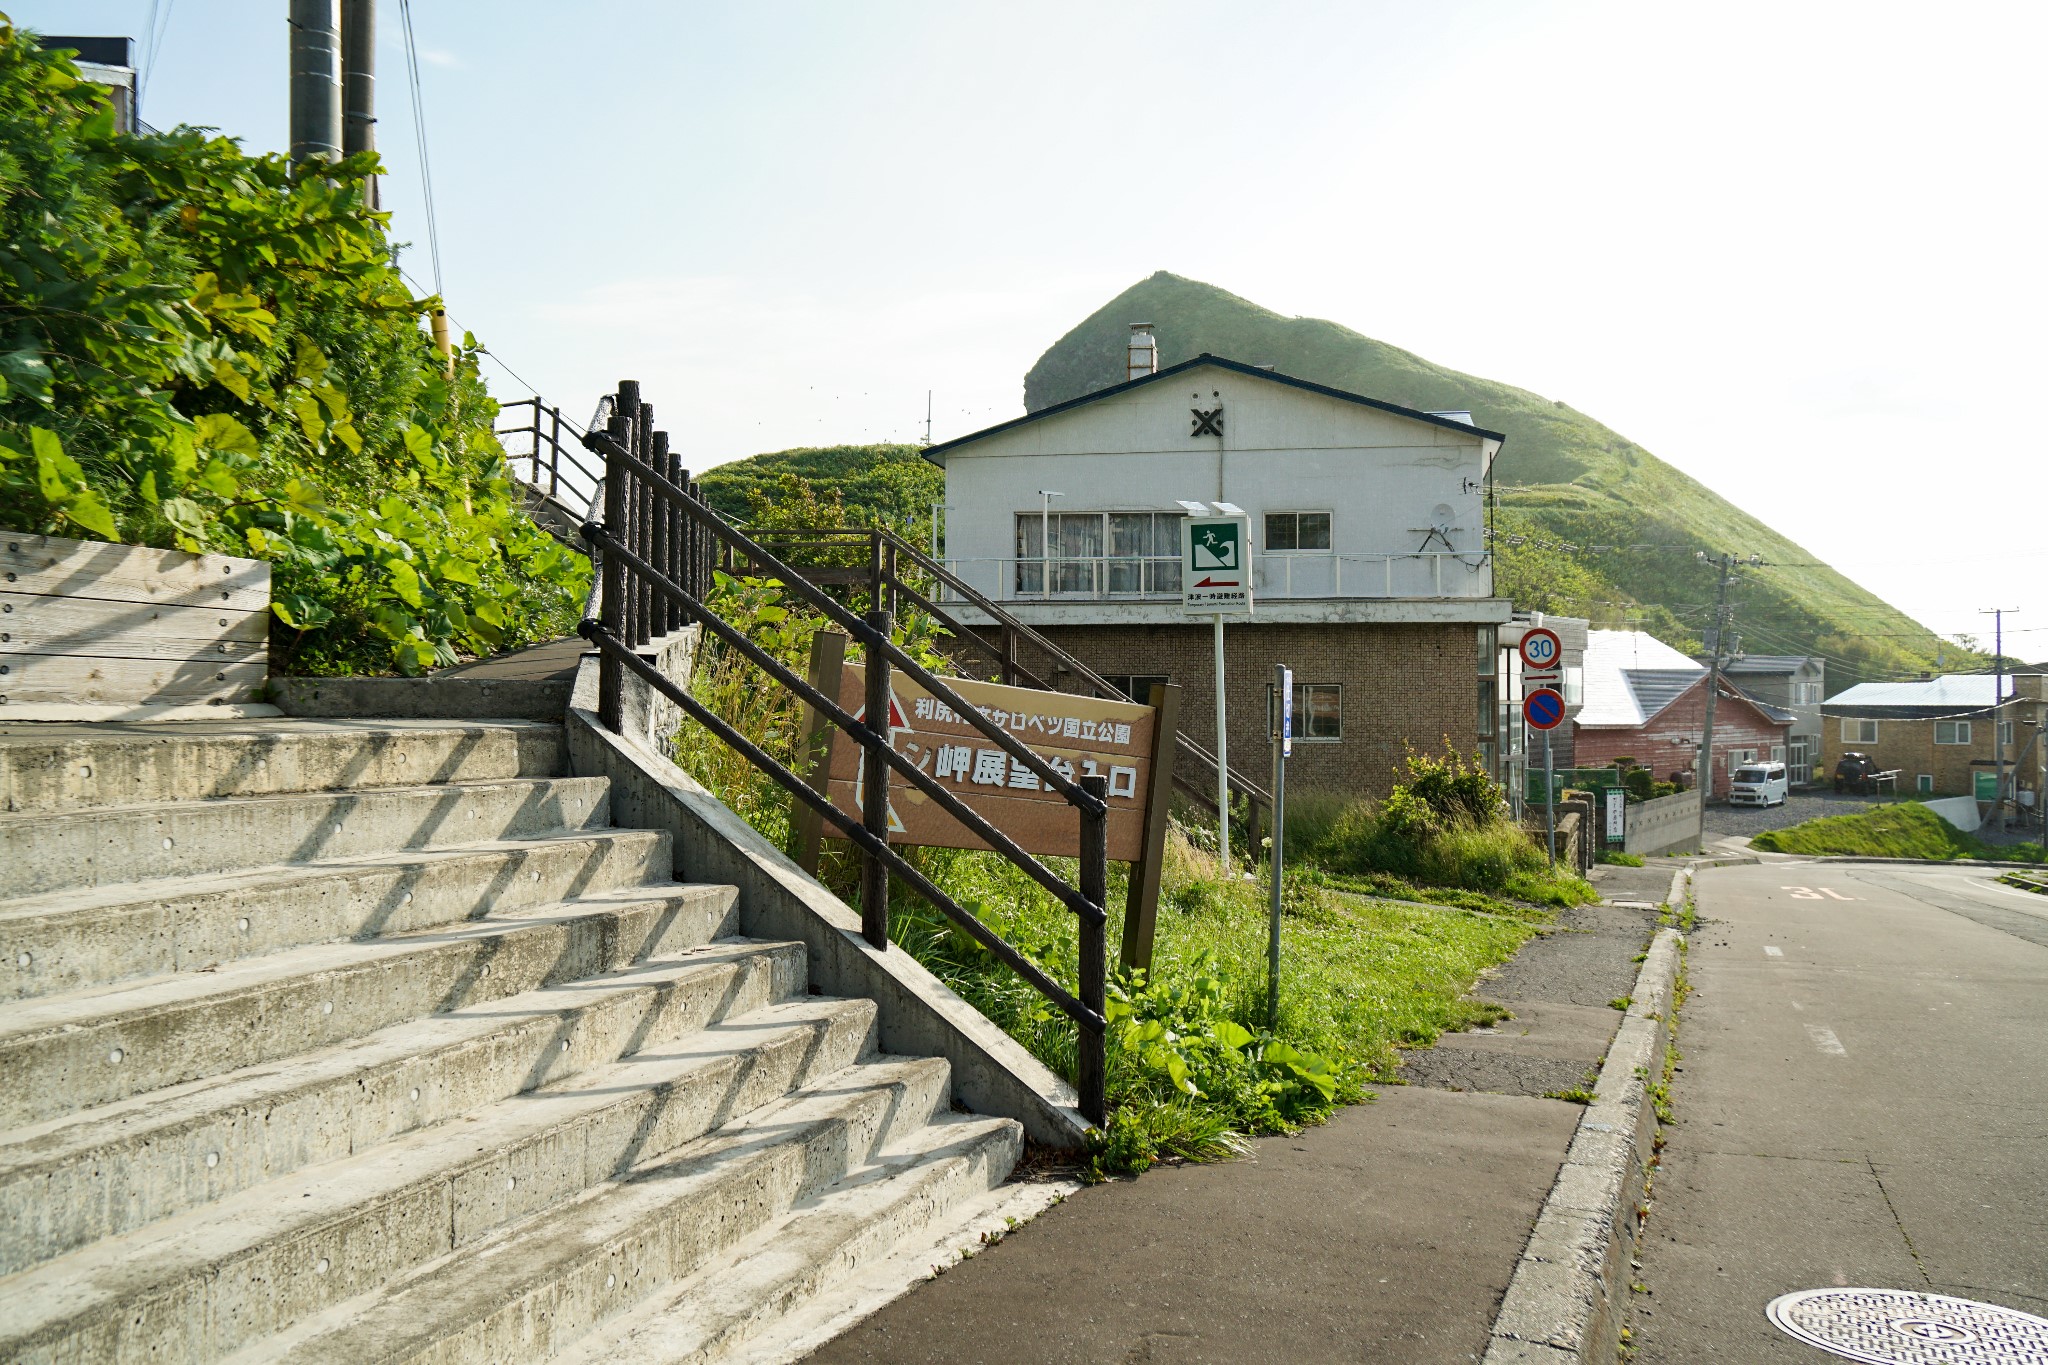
(68, 1182)
(236, 1272)
(66, 1052)
(88, 936)
(76, 767)
(914, 1190)
(54, 852)
(532, 1289)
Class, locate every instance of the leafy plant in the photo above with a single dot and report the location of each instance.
(204, 349)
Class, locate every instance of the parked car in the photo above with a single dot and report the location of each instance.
(1857, 773)
(1759, 784)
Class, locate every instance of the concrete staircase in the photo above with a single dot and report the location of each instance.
(376, 1042)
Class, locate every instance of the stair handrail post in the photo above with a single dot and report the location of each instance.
(874, 805)
(659, 514)
(679, 541)
(611, 613)
(643, 523)
(619, 426)
(554, 445)
(1092, 1059)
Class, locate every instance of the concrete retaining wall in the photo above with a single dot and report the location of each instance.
(1667, 823)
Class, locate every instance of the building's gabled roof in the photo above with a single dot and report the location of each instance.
(937, 453)
(1767, 663)
(1928, 698)
(1778, 715)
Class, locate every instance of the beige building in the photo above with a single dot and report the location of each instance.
(1942, 734)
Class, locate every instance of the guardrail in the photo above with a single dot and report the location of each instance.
(544, 461)
(656, 549)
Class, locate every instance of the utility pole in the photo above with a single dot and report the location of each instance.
(315, 81)
(359, 81)
(1997, 615)
(1705, 779)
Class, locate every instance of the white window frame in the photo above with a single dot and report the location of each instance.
(1301, 691)
(1265, 530)
(1865, 731)
(1959, 733)
(2004, 736)
(1738, 757)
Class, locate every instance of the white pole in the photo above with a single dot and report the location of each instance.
(1222, 758)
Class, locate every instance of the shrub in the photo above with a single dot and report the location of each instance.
(209, 350)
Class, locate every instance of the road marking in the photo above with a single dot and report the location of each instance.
(1834, 895)
(1826, 1041)
(1808, 893)
(1773, 952)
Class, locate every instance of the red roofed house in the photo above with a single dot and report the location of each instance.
(1645, 700)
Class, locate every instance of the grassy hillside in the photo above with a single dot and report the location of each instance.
(853, 485)
(1566, 484)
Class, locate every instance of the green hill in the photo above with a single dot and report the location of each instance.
(1571, 491)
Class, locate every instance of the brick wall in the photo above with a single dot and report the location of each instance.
(1909, 746)
(1669, 741)
(1402, 685)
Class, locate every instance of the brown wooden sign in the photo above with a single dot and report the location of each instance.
(1077, 736)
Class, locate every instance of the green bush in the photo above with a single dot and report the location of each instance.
(209, 350)
(1616, 858)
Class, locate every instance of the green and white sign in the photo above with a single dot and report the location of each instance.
(1216, 569)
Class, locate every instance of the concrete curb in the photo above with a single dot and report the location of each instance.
(1563, 1302)
(1920, 862)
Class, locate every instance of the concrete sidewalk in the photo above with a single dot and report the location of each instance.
(1388, 1234)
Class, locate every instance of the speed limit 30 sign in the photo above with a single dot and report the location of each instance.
(1542, 651)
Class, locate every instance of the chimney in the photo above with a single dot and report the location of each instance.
(1142, 353)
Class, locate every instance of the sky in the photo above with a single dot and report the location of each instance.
(1791, 249)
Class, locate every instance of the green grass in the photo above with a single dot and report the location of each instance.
(1905, 830)
(1613, 859)
(1563, 477)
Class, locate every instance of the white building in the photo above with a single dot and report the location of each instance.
(1373, 576)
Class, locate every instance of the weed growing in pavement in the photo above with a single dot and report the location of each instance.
(1621, 1002)
(1576, 1095)
(1614, 858)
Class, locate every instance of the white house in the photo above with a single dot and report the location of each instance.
(1373, 576)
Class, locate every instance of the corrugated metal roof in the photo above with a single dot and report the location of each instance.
(1954, 689)
(1631, 675)
(1766, 663)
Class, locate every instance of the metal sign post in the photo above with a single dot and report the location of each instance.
(1543, 709)
(1283, 745)
(1216, 582)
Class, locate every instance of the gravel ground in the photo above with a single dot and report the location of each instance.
(1748, 821)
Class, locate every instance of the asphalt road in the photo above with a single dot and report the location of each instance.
(1863, 1102)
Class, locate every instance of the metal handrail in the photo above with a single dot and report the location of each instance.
(550, 453)
(656, 547)
(905, 550)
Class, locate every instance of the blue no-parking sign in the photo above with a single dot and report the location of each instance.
(1543, 709)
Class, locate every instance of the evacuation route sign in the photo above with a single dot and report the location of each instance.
(1216, 566)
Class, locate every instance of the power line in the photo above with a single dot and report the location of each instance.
(156, 30)
(419, 129)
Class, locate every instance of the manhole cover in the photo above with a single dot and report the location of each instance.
(1895, 1327)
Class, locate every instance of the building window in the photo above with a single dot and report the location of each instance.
(1951, 732)
(1099, 554)
(1318, 712)
(1296, 531)
(1923, 784)
(1806, 694)
(1859, 732)
(1738, 757)
(2005, 733)
(1777, 756)
(1137, 686)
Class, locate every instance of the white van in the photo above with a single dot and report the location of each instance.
(1759, 784)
